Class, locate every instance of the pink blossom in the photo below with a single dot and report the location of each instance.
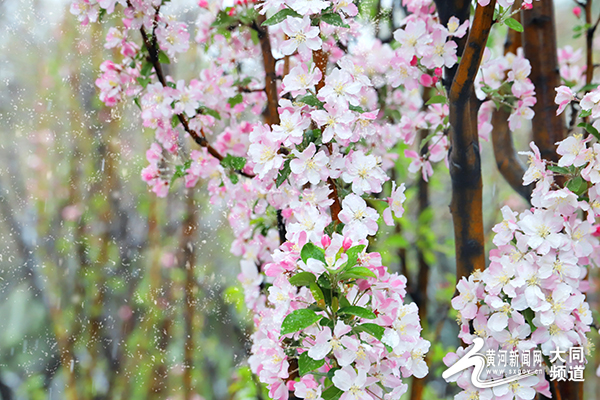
(173, 38)
(326, 341)
(309, 166)
(395, 201)
(419, 163)
(443, 51)
(360, 220)
(85, 11)
(307, 388)
(336, 119)
(413, 39)
(564, 96)
(353, 383)
(340, 87)
(302, 36)
(466, 301)
(364, 172)
(300, 79)
(542, 228)
(591, 102)
(522, 112)
(455, 28)
(537, 165)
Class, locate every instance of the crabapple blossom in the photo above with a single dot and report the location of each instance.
(564, 96)
(309, 166)
(173, 38)
(360, 220)
(364, 172)
(302, 36)
(300, 79)
(395, 201)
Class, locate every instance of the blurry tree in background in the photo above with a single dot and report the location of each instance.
(95, 281)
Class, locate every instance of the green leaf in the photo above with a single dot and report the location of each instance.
(356, 108)
(234, 178)
(344, 302)
(335, 304)
(310, 250)
(437, 99)
(235, 100)
(324, 282)
(352, 254)
(224, 20)
(143, 81)
(254, 36)
(283, 173)
(514, 24)
(163, 58)
(590, 129)
(180, 171)
(174, 121)
(209, 111)
(307, 364)
(588, 87)
(236, 163)
(327, 322)
(357, 273)
(146, 69)
(310, 100)
(332, 393)
(577, 185)
(331, 372)
(334, 19)
(281, 16)
(244, 82)
(558, 170)
(372, 329)
(303, 279)
(425, 140)
(316, 292)
(297, 320)
(357, 311)
(585, 113)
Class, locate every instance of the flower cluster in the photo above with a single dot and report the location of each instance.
(505, 81)
(336, 325)
(531, 296)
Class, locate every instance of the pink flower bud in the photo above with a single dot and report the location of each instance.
(231, 12)
(203, 4)
(438, 71)
(526, 6)
(346, 244)
(596, 233)
(426, 80)
(577, 12)
(414, 61)
(325, 241)
(435, 79)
